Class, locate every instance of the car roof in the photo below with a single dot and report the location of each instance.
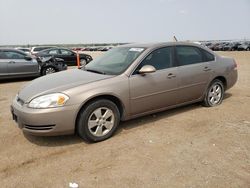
(56, 48)
(155, 45)
(9, 49)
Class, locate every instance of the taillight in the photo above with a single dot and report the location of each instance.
(235, 65)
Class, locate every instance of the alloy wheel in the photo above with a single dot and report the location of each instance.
(101, 121)
(215, 94)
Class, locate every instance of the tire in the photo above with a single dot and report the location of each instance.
(214, 94)
(48, 70)
(83, 62)
(93, 126)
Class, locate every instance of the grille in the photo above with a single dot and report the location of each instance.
(39, 127)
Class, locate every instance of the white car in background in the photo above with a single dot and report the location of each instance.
(34, 50)
(25, 50)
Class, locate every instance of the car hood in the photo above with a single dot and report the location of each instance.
(58, 82)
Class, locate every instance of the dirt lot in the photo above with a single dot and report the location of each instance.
(191, 146)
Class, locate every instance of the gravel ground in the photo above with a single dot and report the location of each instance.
(190, 146)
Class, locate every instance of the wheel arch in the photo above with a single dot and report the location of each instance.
(222, 79)
(110, 97)
(48, 65)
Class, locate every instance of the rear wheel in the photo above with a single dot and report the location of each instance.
(83, 62)
(214, 94)
(98, 121)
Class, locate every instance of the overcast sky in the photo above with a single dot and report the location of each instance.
(105, 21)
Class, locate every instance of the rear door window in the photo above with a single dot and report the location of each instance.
(53, 52)
(13, 55)
(2, 55)
(188, 55)
(66, 52)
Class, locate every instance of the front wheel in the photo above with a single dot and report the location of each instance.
(214, 94)
(48, 70)
(98, 121)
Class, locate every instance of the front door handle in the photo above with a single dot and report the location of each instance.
(171, 75)
(12, 62)
(206, 69)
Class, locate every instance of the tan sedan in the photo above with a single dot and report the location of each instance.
(124, 83)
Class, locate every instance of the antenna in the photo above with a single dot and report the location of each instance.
(175, 39)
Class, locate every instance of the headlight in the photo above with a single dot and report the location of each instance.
(49, 101)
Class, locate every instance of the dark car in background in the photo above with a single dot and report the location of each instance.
(212, 46)
(232, 46)
(244, 47)
(15, 63)
(221, 46)
(69, 56)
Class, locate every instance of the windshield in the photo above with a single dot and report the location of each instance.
(115, 61)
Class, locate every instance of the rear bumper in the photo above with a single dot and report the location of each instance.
(45, 122)
(232, 78)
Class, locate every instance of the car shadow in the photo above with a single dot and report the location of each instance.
(53, 141)
(130, 124)
(56, 141)
(9, 80)
(227, 95)
(140, 121)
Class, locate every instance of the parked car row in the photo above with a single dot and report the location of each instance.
(16, 63)
(69, 56)
(228, 46)
(95, 48)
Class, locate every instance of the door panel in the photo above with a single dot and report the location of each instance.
(153, 91)
(193, 80)
(3, 64)
(68, 56)
(3, 67)
(194, 73)
(22, 66)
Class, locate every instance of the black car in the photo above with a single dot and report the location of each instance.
(220, 46)
(231, 46)
(244, 47)
(69, 56)
(16, 63)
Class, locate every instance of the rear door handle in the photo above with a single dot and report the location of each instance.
(206, 69)
(171, 75)
(12, 62)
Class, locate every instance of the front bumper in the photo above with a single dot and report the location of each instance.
(45, 122)
(61, 66)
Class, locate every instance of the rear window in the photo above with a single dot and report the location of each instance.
(207, 56)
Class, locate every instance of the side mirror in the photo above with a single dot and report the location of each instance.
(147, 69)
(28, 58)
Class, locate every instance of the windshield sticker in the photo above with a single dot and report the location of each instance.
(136, 49)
